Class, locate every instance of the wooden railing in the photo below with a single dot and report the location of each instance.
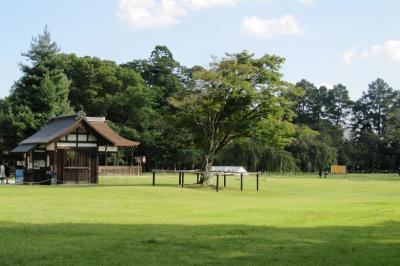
(120, 170)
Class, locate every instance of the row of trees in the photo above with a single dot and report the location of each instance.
(238, 111)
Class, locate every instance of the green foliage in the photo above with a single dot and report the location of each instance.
(276, 160)
(161, 72)
(41, 93)
(237, 98)
(338, 104)
(310, 106)
(238, 111)
(371, 109)
(313, 152)
(43, 88)
(98, 84)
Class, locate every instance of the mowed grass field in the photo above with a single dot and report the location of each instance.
(301, 220)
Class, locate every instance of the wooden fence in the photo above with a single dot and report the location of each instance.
(120, 170)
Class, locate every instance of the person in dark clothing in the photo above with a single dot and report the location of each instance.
(7, 172)
(326, 173)
(320, 173)
(52, 176)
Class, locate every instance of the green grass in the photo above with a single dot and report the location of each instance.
(302, 220)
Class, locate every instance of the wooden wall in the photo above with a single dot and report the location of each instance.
(120, 170)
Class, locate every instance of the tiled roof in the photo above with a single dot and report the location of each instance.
(105, 131)
(54, 128)
(59, 126)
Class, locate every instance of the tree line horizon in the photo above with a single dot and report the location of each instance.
(239, 111)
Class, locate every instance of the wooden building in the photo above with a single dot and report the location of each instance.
(70, 145)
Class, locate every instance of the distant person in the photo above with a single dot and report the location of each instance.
(320, 173)
(52, 176)
(326, 173)
(7, 172)
(2, 172)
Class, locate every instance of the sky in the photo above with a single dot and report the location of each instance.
(352, 42)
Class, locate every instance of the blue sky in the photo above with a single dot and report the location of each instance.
(326, 42)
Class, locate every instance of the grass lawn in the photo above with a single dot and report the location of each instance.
(302, 220)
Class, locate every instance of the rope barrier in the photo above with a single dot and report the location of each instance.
(39, 182)
(31, 183)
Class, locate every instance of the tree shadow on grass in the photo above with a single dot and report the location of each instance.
(155, 244)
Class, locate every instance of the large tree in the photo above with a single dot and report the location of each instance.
(371, 109)
(162, 72)
(338, 104)
(42, 91)
(238, 97)
(310, 107)
(392, 135)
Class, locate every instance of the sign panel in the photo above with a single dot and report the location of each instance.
(19, 176)
(338, 169)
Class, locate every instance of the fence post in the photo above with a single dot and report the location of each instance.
(257, 179)
(197, 178)
(154, 179)
(180, 174)
(224, 180)
(183, 178)
(217, 182)
(241, 182)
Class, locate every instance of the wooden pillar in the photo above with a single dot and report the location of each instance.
(224, 180)
(257, 177)
(154, 179)
(183, 178)
(55, 163)
(197, 178)
(131, 156)
(106, 156)
(97, 165)
(33, 167)
(217, 182)
(241, 182)
(117, 157)
(180, 178)
(25, 167)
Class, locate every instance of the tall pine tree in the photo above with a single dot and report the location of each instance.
(42, 91)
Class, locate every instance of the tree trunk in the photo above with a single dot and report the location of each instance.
(207, 162)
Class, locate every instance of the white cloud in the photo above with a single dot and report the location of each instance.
(306, 2)
(390, 50)
(211, 3)
(162, 13)
(350, 55)
(150, 13)
(285, 25)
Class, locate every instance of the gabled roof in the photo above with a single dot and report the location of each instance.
(55, 128)
(59, 126)
(106, 132)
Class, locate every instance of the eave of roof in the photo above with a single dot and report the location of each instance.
(55, 128)
(105, 131)
(23, 148)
